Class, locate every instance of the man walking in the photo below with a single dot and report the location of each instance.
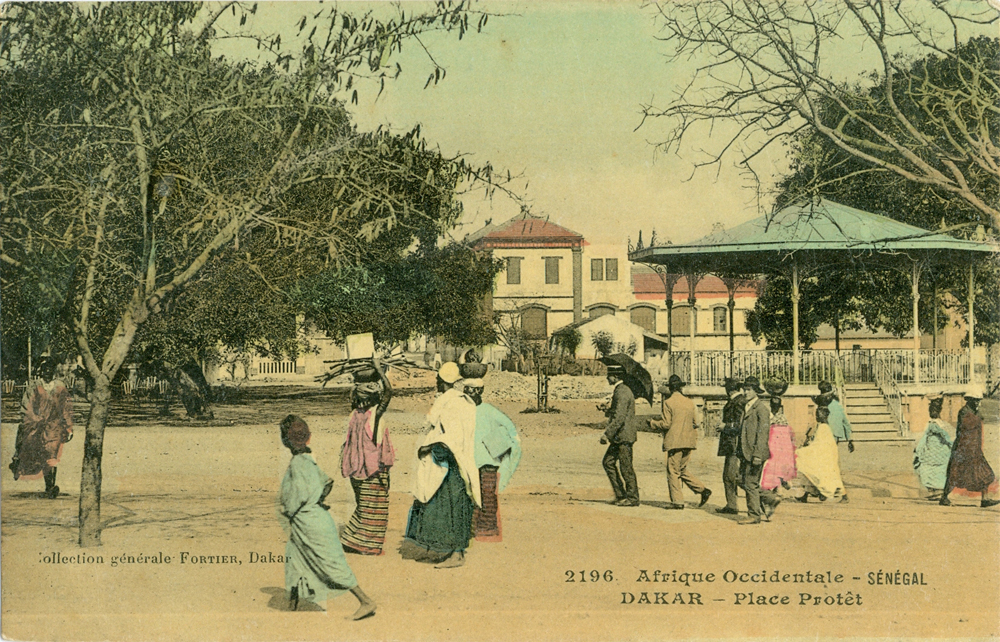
(679, 439)
(754, 452)
(729, 437)
(621, 435)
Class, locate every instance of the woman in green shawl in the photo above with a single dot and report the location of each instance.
(315, 565)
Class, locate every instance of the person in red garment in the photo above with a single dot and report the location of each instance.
(46, 425)
(968, 467)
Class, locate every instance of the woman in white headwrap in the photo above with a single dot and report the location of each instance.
(447, 481)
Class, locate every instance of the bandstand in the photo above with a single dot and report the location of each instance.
(797, 242)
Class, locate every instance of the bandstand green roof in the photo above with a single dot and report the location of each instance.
(820, 232)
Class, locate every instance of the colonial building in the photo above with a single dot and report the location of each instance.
(555, 278)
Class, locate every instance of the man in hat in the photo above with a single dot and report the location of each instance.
(679, 439)
(447, 480)
(498, 452)
(729, 437)
(753, 452)
(968, 467)
(621, 435)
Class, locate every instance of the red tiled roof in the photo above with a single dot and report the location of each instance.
(523, 231)
(649, 285)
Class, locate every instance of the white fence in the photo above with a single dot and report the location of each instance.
(711, 367)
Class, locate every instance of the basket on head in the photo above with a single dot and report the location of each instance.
(367, 375)
(473, 370)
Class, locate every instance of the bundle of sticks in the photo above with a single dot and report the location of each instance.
(394, 360)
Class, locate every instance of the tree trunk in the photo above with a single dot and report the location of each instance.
(93, 451)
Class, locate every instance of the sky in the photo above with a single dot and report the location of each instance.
(553, 92)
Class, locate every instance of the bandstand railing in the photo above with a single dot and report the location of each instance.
(885, 372)
(711, 367)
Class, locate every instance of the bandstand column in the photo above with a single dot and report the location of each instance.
(692, 283)
(795, 322)
(972, 320)
(915, 284)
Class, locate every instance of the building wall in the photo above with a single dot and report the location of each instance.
(533, 291)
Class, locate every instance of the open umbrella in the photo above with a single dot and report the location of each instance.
(636, 377)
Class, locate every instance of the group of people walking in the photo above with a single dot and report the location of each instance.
(468, 455)
(759, 448)
(944, 465)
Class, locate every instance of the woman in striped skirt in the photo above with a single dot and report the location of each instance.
(367, 457)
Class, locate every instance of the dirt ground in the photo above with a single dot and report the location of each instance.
(176, 488)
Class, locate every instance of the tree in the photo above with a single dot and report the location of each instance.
(603, 342)
(883, 299)
(133, 159)
(434, 291)
(770, 69)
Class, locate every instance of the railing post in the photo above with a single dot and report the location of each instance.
(915, 284)
(972, 320)
(795, 322)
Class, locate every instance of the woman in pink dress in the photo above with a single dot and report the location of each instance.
(779, 469)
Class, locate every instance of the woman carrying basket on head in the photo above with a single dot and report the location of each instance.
(366, 459)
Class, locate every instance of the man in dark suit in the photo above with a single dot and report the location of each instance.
(729, 437)
(754, 452)
(621, 435)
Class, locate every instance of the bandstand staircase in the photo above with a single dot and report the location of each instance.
(869, 414)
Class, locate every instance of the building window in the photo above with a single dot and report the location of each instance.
(551, 270)
(680, 323)
(645, 318)
(719, 317)
(513, 270)
(601, 310)
(596, 269)
(611, 270)
(534, 323)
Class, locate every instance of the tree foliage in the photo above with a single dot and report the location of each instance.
(137, 164)
(927, 114)
(434, 291)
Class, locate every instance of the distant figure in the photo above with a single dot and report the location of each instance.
(753, 450)
(779, 469)
(968, 467)
(932, 452)
(46, 425)
(679, 439)
(316, 568)
(840, 425)
(367, 457)
(818, 462)
(447, 485)
(729, 437)
(498, 452)
(621, 434)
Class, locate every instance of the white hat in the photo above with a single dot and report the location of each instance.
(449, 372)
(974, 391)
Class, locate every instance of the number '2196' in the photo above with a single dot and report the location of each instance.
(589, 576)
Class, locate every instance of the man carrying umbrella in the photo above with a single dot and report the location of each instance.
(620, 435)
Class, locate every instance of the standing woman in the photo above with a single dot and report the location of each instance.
(315, 565)
(366, 459)
(779, 469)
(932, 452)
(818, 462)
(46, 424)
(967, 467)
